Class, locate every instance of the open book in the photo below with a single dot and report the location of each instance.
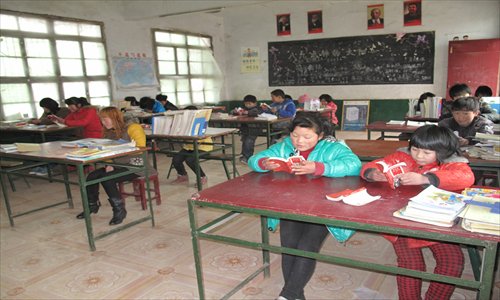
(286, 164)
(391, 171)
(357, 197)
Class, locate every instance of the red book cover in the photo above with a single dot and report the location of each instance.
(286, 164)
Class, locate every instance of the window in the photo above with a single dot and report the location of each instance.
(187, 70)
(44, 56)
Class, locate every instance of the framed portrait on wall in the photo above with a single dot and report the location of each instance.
(375, 16)
(315, 21)
(283, 24)
(355, 115)
(412, 13)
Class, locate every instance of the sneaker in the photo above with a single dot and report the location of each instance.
(34, 171)
(42, 172)
(243, 160)
(180, 179)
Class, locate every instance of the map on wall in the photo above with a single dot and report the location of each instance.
(134, 72)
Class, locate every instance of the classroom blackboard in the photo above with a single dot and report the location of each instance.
(372, 59)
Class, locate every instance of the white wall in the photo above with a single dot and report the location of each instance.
(128, 29)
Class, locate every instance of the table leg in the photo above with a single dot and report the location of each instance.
(66, 184)
(148, 185)
(265, 241)
(196, 249)
(6, 196)
(369, 134)
(268, 134)
(197, 165)
(85, 203)
(233, 155)
(153, 152)
(488, 271)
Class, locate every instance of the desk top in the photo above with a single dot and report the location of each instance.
(54, 152)
(373, 149)
(210, 133)
(382, 126)
(305, 195)
(51, 129)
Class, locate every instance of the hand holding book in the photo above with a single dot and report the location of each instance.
(289, 165)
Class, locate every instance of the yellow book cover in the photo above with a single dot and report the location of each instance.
(28, 147)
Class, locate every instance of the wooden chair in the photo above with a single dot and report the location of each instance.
(139, 190)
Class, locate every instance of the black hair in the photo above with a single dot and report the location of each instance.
(483, 91)
(133, 101)
(161, 97)
(459, 90)
(147, 103)
(278, 93)
(326, 97)
(425, 96)
(191, 107)
(435, 138)
(314, 120)
(250, 98)
(465, 103)
(80, 102)
(50, 104)
(288, 97)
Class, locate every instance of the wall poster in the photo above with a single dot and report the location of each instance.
(250, 60)
(355, 115)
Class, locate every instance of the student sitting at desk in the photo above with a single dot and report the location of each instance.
(309, 137)
(486, 110)
(458, 90)
(151, 105)
(432, 157)
(81, 114)
(186, 155)
(327, 102)
(282, 107)
(50, 107)
(115, 128)
(466, 121)
(248, 134)
(166, 104)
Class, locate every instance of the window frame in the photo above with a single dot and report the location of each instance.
(57, 79)
(178, 76)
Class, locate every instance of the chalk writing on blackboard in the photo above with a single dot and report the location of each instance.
(373, 59)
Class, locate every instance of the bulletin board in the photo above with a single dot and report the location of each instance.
(355, 115)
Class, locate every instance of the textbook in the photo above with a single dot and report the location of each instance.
(395, 122)
(28, 147)
(93, 153)
(285, 165)
(482, 214)
(357, 197)
(101, 144)
(391, 171)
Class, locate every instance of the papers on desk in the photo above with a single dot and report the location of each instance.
(266, 116)
(100, 144)
(433, 206)
(418, 124)
(395, 122)
(8, 148)
(20, 147)
(83, 154)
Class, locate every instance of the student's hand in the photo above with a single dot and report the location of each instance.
(462, 141)
(274, 109)
(35, 121)
(268, 165)
(109, 169)
(55, 118)
(412, 178)
(376, 175)
(303, 168)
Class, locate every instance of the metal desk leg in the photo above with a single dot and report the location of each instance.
(196, 249)
(66, 184)
(148, 184)
(268, 134)
(153, 153)
(265, 241)
(85, 202)
(6, 196)
(233, 156)
(488, 271)
(369, 134)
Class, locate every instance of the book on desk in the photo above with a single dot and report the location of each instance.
(182, 122)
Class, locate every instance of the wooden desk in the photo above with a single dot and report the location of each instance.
(52, 152)
(195, 141)
(306, 202)
(383, 128)
(265, 125)
(18, 133)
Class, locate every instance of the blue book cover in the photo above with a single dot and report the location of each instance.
(198, 127)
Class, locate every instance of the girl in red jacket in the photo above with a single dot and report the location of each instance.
(433, 157)
(81, 114)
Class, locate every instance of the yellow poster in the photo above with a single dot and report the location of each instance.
(250, 61)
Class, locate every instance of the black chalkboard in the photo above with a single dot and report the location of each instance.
(371, 59)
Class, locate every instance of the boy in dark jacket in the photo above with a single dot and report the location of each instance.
(248, 134)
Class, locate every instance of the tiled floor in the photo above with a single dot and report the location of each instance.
(46, 255)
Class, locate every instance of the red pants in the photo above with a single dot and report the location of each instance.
(449, 261)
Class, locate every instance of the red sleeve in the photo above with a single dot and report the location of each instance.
(86, 116)
(390, 159)
(454, 176)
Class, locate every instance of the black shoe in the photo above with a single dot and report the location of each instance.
(93, 207)
(119, 211)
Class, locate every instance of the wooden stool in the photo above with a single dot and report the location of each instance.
(139, 186)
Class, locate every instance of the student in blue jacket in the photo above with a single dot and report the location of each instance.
(282, 107)
(310, 138)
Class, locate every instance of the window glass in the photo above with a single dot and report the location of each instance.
(178, 39)
(8, 22)
(93, 50)
(90, 30)
(195, 68)
(193, 41)
(43, 90)
(37, 47)
(96, 67)
(11, 67)
(183, 68)
(65, 28)
(74, 89)
(167, 67)
(12, 93)
(197, 84)
(198, 97)
(194, 55)
(10, 47)
(184, 98)
(162, 37)
(183, 85)
(33, 24)
(100, 101)
(18, 110)
(40, 67)
(166, 53)
(68, 49)
(181, 54)
(71, 67)
(98, 88)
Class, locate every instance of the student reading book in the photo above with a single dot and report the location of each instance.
(286, 164)
(324, 156)
(432, 157)
(115, 128)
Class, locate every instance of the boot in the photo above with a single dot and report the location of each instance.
(119, 212)
(93, 207)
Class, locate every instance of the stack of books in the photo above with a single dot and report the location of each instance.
(434, 206)
(431, 108)
(182, 122)
(8, 148)
(482, 213)
(101, 144)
